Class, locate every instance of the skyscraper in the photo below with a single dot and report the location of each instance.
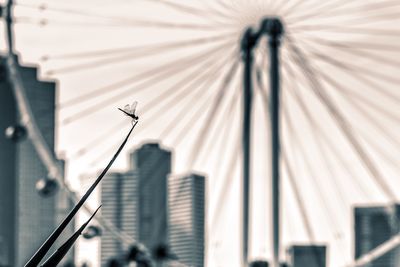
(136, 201)
(152, 165)
(372, 227)
(26, 218)
(186, 206)
(120, 206)
(307, 256)
(259, 263)
(7, 172)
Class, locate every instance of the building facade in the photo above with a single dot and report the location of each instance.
(306, 256)
(26, 218)
(372, 227)
(136, 201)
(8, 183)
(186, 206)
(119, 206)
(152, 165)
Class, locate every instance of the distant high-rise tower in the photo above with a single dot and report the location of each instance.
(372, 227)
(26, 218)
(152, 165)
(186, 206)
(259, 263)
(8, 183)
(136, 201)
(307, 256)
(119, 200)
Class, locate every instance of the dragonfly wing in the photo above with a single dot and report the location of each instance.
(127, 108)
(133, 107)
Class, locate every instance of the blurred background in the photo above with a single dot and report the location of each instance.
(177, 188)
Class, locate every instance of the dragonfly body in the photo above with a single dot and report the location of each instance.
(130, 111)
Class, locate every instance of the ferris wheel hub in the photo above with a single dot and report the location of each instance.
(272, 26)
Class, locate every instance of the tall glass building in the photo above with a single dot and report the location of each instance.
(186, 206)
(119, 206)
(26, 218)
(372, 227)
(136, 201)
(306, 256)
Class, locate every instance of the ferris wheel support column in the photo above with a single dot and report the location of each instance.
(274, 29)
(9, 25)
(248, 42)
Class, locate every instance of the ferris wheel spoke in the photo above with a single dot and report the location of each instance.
(341, 9)
(102, 63)
(199, 84)
(181, 7)
(139, 88)
(327, 210)
(353, 67)
(223, 14)
(281, 6)
(140, 49)
(198, 143)
(150, 106)
(232, 164)
(225, 130)
(288, 168)
(352, 45)
(363, 111)
(317, 10)
(327, 140)
(361, 73)
(388, 17)
(193, 11)
(110, 21)
(80, 152)
(378, 127)
(377, 147)
(374, 87)
(353, 96)
(315, 131)
(231, 8)
(134, 54)
(342, 123)
(184, 112)
(219, 132)
(176, 65)
(197, 114)
(67, 11)
(296, 4)
(187, 85)
(205, 82)
(297, 196)
(383, 130)
(340, 29)
(128, 24)
(228, 7)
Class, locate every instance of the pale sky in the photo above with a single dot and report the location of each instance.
(342, 40)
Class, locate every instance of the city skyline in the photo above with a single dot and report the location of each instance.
(27, 217)
(330, 162)
(187, 215)
(136, 162)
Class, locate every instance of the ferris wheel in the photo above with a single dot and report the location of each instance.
(184, 63)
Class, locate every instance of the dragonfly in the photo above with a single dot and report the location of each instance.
(130, 110)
